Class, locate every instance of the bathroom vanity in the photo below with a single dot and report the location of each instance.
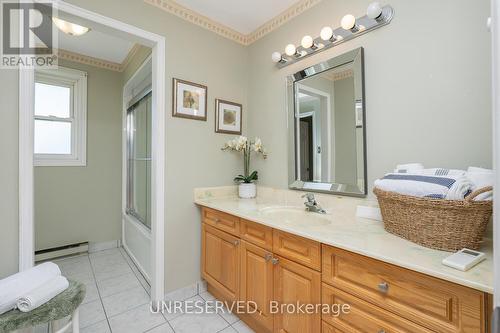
(270, 249)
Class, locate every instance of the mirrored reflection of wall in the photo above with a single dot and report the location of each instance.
(329, 127)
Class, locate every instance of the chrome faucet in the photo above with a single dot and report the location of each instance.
(312, 205)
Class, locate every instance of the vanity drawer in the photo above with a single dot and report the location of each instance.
(327, 328)
(301, 250)
(222, 221)
(363, 317)
(436, 304)
(257, 234)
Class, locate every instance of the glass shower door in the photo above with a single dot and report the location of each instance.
(139, 160)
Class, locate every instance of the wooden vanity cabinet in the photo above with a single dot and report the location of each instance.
(220, 261)
(434, 304)
(247, 261)
(295, 283)
(256, 284)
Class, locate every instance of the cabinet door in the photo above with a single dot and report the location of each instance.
(296, 284)
(257, 283)
(220, 261)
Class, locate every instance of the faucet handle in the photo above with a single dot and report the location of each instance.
(309, 197)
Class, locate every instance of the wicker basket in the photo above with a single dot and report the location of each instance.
(448, 225)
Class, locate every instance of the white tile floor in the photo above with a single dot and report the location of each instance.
(117, 300)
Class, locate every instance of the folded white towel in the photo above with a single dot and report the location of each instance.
(419, 185)
(14, 286)
(478, 169)
(408, 168)
(441, 172)
(481, 178)
(41, 295)
(462, 187)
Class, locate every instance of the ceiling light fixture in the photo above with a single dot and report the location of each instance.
(70, 28)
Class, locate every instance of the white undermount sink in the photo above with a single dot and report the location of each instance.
(296, 216)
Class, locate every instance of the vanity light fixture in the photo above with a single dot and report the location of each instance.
(291, 50)
(326, 34)
(348, 22)
(308, 43)
(70, 28)
(276, 57)
(374, 11)
(350, 28)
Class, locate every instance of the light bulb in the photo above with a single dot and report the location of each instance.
(348, 22)
(326, 33)
(290, 50)
(374, 10)
(276, 56)
(307, 42)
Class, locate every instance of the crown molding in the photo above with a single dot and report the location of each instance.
(96, 62)
(281, 19)
(346, 73)
(200, 20)
(172, 7)
(131, 54)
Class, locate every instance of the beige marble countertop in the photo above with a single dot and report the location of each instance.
(346, 231)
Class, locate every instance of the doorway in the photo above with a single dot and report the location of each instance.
(98, 22)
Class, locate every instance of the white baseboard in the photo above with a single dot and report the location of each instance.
(101, 246)
(62, 251)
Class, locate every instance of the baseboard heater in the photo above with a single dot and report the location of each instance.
(61, 251)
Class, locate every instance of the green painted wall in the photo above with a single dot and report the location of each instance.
(74, 204)
(422, 88)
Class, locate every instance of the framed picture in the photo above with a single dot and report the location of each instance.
(189, 100)
(228, 117)
(359, 114)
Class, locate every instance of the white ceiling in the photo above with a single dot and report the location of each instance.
(96, 44)
(243, 16)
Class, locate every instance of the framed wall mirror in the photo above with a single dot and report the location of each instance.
(327, 127)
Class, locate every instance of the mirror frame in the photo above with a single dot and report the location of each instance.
(321, 67)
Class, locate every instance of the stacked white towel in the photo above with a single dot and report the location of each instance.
(21, 284)
(413, 179)
(431, 186)
(41, 295)
(408, 168)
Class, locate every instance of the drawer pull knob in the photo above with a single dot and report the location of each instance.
(268, 256)
(381, 331)
(275, 261)
(217, 220)
(383, 287)
(236, 242)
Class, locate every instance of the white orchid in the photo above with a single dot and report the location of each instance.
(242, 144)
(229, 144)
(257, 146)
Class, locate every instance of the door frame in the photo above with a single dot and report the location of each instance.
(495, 34)
(158, 144)
(331, 122)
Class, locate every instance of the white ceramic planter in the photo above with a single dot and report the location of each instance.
(247, 191)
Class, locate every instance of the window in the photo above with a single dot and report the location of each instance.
(60, 117)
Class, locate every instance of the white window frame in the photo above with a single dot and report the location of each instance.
(77, 81)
